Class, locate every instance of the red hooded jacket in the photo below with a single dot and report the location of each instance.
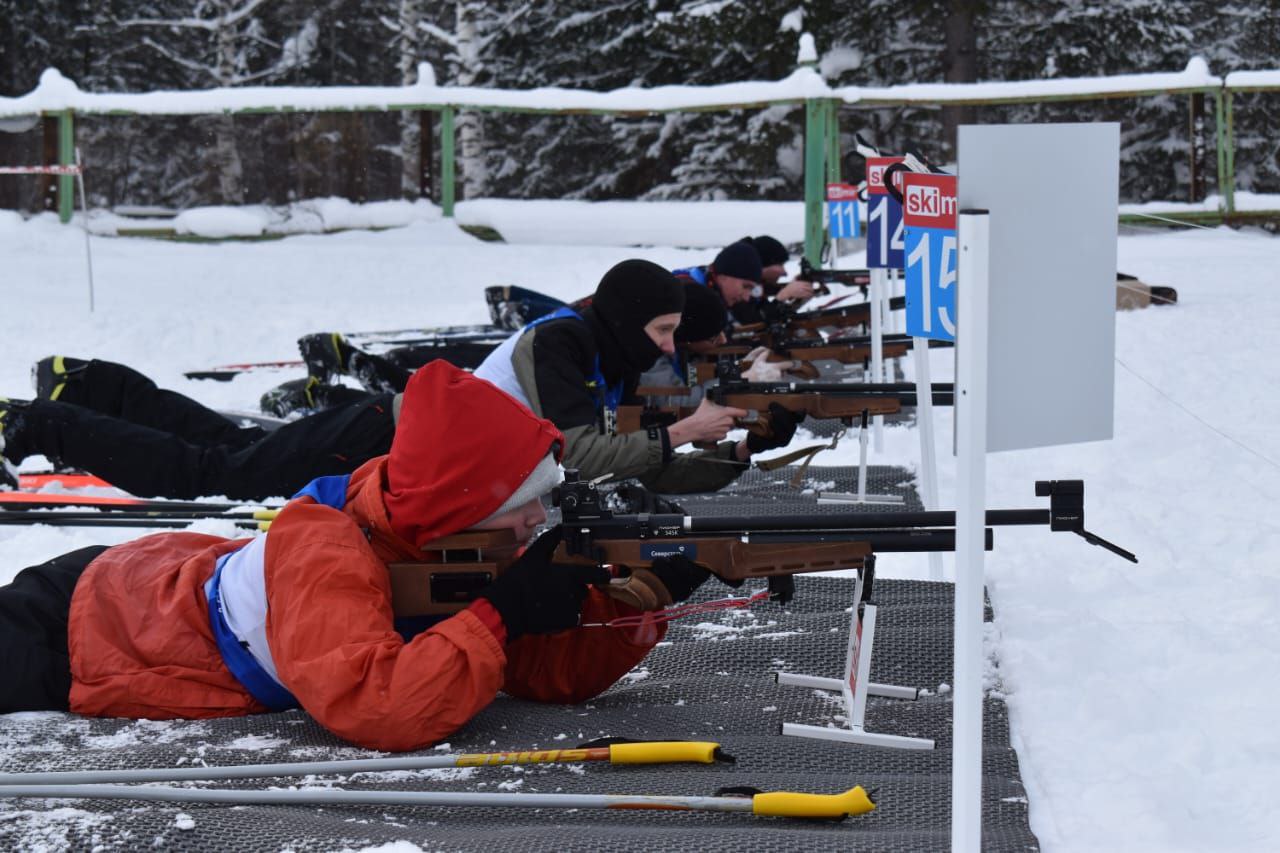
(141, 644)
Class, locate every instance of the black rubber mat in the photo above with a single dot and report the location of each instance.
(713, 678)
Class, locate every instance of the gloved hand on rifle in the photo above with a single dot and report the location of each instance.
(537, 596)
(664, 582)
(762, 369)
(782, 428)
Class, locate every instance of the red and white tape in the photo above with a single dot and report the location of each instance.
(40, 170)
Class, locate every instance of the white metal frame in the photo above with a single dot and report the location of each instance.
(855, 687)
(971, 449)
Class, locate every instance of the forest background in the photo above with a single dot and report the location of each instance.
(179, 162)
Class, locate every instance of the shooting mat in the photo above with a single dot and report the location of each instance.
(712, 679)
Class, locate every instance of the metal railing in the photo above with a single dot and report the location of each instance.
(56, 96)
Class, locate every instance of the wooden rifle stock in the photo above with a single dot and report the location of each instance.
(451, 573)
(727, 556)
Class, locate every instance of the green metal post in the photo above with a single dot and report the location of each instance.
(66, 157)
(1221, 124)
(447, 165)
(1231, 151)
(833, 142)
(815, 149)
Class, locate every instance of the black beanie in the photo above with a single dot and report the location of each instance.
(739, 260)
(704, 316)
(630, 295)
(771, 251)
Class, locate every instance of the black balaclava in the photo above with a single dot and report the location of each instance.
(704, 316)
(771, 251)
(740, 260)
(628, 297)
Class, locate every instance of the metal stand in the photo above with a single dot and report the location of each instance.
(856, 684)
(877, 341)
(861, 496)
(928, 448)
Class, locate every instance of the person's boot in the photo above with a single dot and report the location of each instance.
(51, 375)
(296, 395)
(11, 417)
(327, 354)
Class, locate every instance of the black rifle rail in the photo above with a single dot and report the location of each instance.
(903, 392)
(586, 520)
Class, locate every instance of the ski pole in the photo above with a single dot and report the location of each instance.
(114, 520)
(644, 752)
(854, 801)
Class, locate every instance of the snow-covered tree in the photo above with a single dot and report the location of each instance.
(222, 43)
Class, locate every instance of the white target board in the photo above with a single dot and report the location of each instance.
(1052, 191)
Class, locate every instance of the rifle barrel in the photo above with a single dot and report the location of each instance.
(858, 521)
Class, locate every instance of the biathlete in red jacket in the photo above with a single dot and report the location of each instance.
(187, 625)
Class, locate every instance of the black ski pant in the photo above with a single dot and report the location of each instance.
(115, 423)
(391, 371)
(35, 669)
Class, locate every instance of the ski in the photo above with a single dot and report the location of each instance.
(510, 307)
(68, 480)
(43, 500)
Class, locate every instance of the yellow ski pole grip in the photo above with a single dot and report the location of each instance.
(265, 514)
(788, 804)
(663, 752)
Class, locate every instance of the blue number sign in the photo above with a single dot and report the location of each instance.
(930, 218)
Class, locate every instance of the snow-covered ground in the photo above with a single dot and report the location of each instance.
(1141, 697)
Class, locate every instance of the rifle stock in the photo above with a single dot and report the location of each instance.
(727, 557)
(773, 547)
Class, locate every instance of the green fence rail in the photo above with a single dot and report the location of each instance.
(805, 86)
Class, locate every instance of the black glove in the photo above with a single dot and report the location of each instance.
(782, 429)
(680, 575)
(536, 596)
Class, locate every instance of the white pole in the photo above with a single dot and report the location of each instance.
(84, 207)
(971, 447)
(928, 448)
(877, 356)
(896, 319)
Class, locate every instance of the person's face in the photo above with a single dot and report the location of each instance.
(661, 330)
(521, 521)
(734, 291)
(771, 274)
(704, 347)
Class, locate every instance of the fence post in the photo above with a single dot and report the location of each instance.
(446, 161)
(815, 149)
(1231, 150)
(1220, 126)
(66, 157)
(1195, 190)
(833, 142)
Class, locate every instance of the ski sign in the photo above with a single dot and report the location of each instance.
(930, 248)
(884, 218)
(843, 219)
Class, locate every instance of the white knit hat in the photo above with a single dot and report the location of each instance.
(542, 479)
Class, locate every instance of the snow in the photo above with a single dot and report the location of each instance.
(1195, 77)
(1141, 697)
(56, 92)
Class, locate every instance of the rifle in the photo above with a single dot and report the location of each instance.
(841, 400)
(732, 548)
(852, 278)
(787, 324)
(777, 547)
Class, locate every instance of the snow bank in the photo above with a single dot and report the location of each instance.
(1141, 697)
